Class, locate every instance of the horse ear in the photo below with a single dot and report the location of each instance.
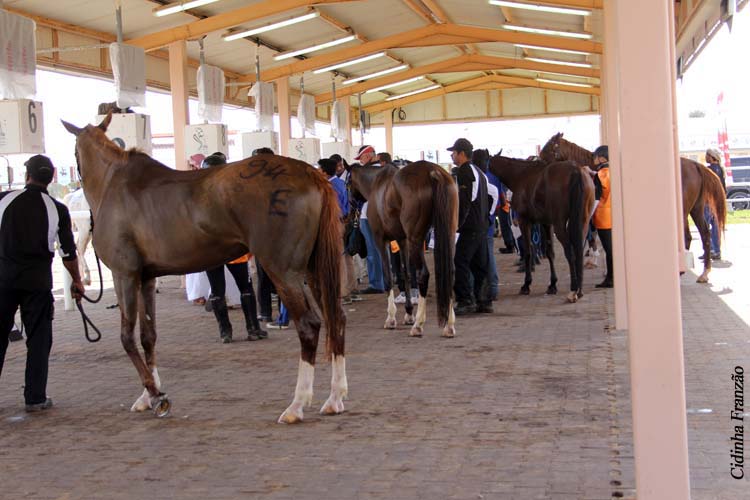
(71, 128)
(105, 123)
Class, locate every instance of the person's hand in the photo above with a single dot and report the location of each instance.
(77, 290)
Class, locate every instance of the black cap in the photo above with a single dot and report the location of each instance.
(336, 157)
(40, 169)
(462, 145)
(602, 151)
(328, 165)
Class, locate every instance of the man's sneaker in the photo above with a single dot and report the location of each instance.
(356, 298)
(414, 295)
(400, 299)
(44, 405)
(346, 300)
(277, 326)
(484, 308)
(370, 291)
(463, 308)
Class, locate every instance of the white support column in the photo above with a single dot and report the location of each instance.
(388, 122)
(609, 106)
(678, 169)
(347, 108)
(285, 115)
(179, 87)
(647, 157)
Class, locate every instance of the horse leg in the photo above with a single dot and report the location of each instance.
(127, 296)
(416, 257)
(527, 257)
(298, 301)
(404, 282)
(390, 321)
(549, 251)
(697, 214)
(84, 237)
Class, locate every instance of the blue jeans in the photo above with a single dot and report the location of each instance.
(492, 269)
(283, 314)
(374, 264)
(715, 244)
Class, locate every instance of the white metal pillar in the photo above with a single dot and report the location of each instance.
(179, 88)
(610, 112)
(647, 157)
(285, 115)
(388, 122)
(346, 107)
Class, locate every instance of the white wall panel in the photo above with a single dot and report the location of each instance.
(566, 102)
(519, 102)
(466, 105)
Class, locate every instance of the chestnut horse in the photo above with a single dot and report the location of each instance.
(152, 221)
(700, 187)
(403, 204)
(558, 196)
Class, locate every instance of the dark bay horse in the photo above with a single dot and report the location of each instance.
(558, 196)
(151, 221)
(700, 187)
(403, 204)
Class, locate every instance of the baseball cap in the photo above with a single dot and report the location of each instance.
(364, 149)
(462, 145)
(602, 151)
(40, 168)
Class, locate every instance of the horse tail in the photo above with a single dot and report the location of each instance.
(325, 266)
(714, 196)
(576, 219)
(445, 223)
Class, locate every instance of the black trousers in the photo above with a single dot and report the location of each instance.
(37, 310)
(399, 274)
(265, 288)
(605, 235)
(471, 259)
(240, 274)
(505, 230)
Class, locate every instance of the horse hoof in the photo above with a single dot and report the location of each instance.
(408, 319)
(290, 417)
(161, 405)
(448, 333)
(524, 291)
(572, 297)
(416, 331)
(552, 290)
(390, 324)
(580, 293)
(332, 407)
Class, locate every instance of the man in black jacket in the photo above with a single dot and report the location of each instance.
(30, 223)
(471, 257)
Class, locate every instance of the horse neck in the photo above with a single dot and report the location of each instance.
(509, 170)
(97, 163)
(574, 152)
(365, 178)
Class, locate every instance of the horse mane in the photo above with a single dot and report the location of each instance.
(523, 162)
(574, 152)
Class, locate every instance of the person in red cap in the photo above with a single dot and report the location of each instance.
(31, 221)
(367, 157)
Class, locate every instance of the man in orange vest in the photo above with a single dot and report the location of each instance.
(603, 212)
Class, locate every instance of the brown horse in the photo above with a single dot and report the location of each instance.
(558, 195)
(403, 204)
(700, 188)
(151, 221)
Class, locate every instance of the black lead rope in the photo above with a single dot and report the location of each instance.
(84, 317)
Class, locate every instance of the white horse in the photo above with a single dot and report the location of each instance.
(76, 202)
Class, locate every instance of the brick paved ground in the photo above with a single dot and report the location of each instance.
(531, 402)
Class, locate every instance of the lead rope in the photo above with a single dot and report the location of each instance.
(84, 317)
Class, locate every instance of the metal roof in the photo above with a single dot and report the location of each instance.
(468, 34)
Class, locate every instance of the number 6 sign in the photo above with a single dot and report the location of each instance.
(21, 127)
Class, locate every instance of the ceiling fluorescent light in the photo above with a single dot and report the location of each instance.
(540, 8)
(558, 82)
(320, 46)
(388, 71)
(269, 27)
(402, 82)
(551, 49)
(413, 92)
(555, 61)
(349, 63)
(173, 8)
(542, 31)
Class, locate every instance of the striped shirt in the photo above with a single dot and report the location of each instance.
(31, 222)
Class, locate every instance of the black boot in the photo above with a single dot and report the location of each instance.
(219, 306)
(251, 317)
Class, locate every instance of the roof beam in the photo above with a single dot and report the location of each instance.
(223, 21)
(419, 11)
(495, 62)
(356, 88)
(578, 4)
(424, 37)
(479, 83)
